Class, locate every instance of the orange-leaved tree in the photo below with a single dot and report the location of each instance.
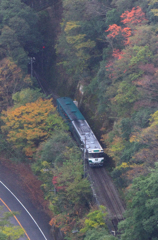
(131, 19)
(26, 126)
(135, 17)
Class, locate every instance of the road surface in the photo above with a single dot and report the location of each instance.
(14, 198)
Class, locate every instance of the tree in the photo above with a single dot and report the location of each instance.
(19, 32)
(69, 178)
(94, 226)
(141, 215)
(123, 5)
(95, 219)
(131, 74)
(80, 47)
(148, 137)
(26, 95)
(133, 96)
(53, 150)
(26, 126)
(72, 192)
(99, 234)
(11, 81)
(2, 236)
(23, 21)
(7, 230)
(153, 3)
(82, 39)
(12, 48)
(135, 17)
(49, 155)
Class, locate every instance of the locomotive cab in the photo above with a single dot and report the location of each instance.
(95, 157)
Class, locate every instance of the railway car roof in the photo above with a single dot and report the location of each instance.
(70, 108)
(86, 134)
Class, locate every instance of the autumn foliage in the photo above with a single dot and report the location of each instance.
(11, 81)
(28, 125)
(134, 17)
(71, 192)
(55, 183)
(129, 18)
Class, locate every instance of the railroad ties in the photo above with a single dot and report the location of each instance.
(107, 195)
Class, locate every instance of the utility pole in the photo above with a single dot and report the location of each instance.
(31, 62)
(85, 158)
(31, 67)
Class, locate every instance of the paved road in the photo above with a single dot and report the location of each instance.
(34, 221)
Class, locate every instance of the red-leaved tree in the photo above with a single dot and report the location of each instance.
(131, 19)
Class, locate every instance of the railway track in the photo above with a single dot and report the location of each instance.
(107, 193)
(103, 188)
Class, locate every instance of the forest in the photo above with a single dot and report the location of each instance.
(110, 49)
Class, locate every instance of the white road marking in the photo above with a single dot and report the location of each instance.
(25, 209)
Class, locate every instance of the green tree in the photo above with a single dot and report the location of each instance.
(26, 95)
(7, 230)
(148, 137)
(141, 215)
(77, 48)
(95, 219)
(69, 178)
(53, 150)
(12, 48)
(19, 32)
(153, 4)
(123, 5)
(99, 234)
(2, 236)
(49, 155)
(82, 39)
(23, 21)
(72, 192)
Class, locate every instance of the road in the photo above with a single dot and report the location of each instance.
(14, 198)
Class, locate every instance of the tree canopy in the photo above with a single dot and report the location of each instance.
(12, 80)
(110, 48)
(7, 230)
(28, 125)
(141, 216)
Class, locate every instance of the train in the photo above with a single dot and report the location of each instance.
(81, 131)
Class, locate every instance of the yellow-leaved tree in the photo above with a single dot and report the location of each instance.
(26, 126)
(7, 229)
(154, 8)
(12, 80)
(76, 47)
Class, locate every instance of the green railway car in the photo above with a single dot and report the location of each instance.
(81, 131)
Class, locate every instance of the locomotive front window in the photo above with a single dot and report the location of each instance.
(96, 155)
